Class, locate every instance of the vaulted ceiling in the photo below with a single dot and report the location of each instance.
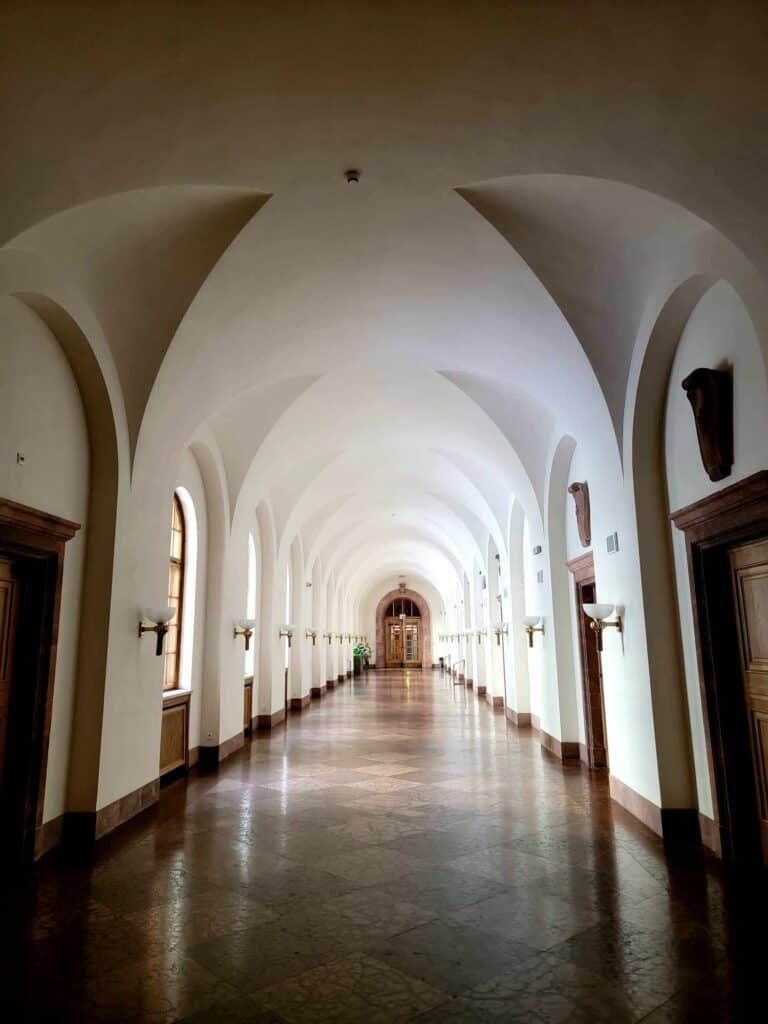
(390, 363)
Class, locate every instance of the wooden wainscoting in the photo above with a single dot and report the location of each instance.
(247, 704)
(174, 735)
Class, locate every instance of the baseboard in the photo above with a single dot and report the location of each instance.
(270, 721)
(536, 723)
(563, 750)
(193, 756)
(317, 692)
(210, 757)
(330, 684)
(341, 678)
(496, 702)
(672, 823)
(349, 673)
(470, 684)
(299, 703)
(82, 828)
(583, 754)
(709, 830)
(522, 719)
(48, 836)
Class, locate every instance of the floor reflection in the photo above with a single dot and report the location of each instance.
(398, 852)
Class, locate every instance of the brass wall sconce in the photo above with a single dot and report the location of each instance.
(287, 633)
(245, 627)
(599, 613)
(160, 619)
(480, 635)
(501, 630)
(329, 638)
(311, 634)
(533, 624)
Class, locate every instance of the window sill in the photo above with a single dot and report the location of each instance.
(176, 697)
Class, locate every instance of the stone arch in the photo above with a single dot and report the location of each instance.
(102, 423)
(426, 619)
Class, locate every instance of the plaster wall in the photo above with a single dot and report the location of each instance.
(43, 418)
(719, 334)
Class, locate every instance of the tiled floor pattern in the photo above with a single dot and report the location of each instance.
(398, 852)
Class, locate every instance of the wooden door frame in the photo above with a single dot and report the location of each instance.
(582, 569)
(37, 540)
(735, 515)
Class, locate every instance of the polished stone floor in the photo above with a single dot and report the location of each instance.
(397, 852)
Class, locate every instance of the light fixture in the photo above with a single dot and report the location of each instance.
(533, 624)
(329, 638)
(501, 629)
(311, 634)
(480, 635)
(287, 632)
(245, 627)
(599, 613)
(160, 619)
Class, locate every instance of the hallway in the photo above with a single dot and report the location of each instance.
(397, 852)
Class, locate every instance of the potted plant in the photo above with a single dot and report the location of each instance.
(361, 654)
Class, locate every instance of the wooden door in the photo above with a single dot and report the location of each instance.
(592, 679)
(247, 705)
(411, 643)
(749, 565)
(9, 603)
(394, 652)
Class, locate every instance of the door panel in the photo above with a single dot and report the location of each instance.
(411, 654)
(592, 680)
(9, 601)
(394, 643)
(750, 581)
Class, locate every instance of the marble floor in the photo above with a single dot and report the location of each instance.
(397, 852)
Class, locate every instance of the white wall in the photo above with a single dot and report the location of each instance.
(43, 419)
(719, 333)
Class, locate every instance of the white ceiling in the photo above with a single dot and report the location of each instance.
(390, 364)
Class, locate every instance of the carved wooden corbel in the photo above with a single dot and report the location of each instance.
(580, 492)
(710, 393)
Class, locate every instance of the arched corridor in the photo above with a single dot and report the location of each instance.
(399, 853)
(384, 380)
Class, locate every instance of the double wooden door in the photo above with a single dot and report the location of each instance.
(403, 642)
(749, 565)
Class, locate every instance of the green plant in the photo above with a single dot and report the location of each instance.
(362, 651)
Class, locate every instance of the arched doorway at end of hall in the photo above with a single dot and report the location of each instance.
(403, 631)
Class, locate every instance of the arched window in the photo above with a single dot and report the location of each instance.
(403, 606)
(175, 597)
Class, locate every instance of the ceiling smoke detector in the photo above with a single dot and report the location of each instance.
(352, 175)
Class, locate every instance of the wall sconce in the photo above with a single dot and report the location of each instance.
(245, 627)
(339, 638)
(501, 630)
(329, 638)
(160, 619)
(599, 613)
(311, 634)
(533, 624)
(480, 635)
(287, 632)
